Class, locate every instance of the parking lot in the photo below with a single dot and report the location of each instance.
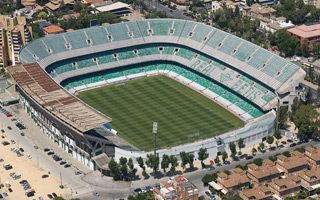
(21, 175)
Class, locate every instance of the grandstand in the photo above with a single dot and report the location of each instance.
(244, 78)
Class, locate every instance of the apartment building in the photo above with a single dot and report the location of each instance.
(14, 34)
(294, 164)
(176, 188)
(264, 173)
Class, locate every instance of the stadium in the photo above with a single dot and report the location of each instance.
(97, 91)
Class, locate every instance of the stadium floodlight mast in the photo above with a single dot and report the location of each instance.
(155, 131)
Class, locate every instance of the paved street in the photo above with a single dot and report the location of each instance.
(177, 14)
(84, 186)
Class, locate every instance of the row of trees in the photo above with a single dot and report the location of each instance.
(125, 168)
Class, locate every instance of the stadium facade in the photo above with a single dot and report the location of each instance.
(244, 78)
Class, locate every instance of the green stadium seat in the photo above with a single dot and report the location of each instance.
(160, 27)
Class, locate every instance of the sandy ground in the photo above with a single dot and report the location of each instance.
(29, 171)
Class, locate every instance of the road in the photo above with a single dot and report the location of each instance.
(177, 14)
(83, 186)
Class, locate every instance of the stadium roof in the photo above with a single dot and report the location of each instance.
(114, 6)
(39, 86)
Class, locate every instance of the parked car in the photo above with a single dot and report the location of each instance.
(137, 190)
(54, 195)
(56, 158)
(77, 172)
(7, 166)
(45, 176)
(67, 165)
(4, 143)
(293, 144)
(273, 148)
(249, 157)
(63, 162)
(96, 194)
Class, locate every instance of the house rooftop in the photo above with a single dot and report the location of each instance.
(283, 184)
(268, 168)
(313, 153)
(305, 31)
(235, 178)
(297, 159)
(260, 192)
(52, 29)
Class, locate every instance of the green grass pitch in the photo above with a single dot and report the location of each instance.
(183, 115)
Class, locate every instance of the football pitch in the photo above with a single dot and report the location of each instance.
(183, 115)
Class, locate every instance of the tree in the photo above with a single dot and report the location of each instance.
(217, 160)
(142, 196)
(184, 159)
(165, 162)
(224, 156)
(287, 154)
(141, 163)
(114, 168)
(277, 135)
(202, 155)
(258, 161)
(233, 149)
(270, 140)
(190, 160)
(301, 149)
(174, 163)
(241, 143)
(253, 151)
(273, 158)
(208, 178)
(302, 195)
(152, 162)
(261, 146)
(306, 120)
(123, 166)
(283, 117)
(130, 164)
(133, 170)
